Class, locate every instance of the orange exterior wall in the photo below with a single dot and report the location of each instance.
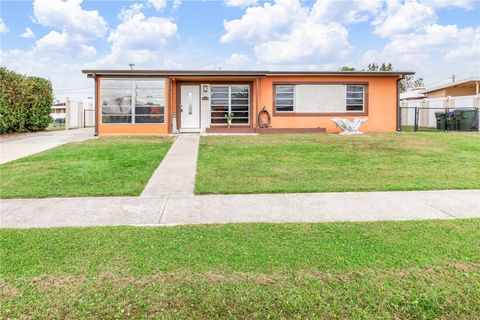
(382, 104)
(134, 129)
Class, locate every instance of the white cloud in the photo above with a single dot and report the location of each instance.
(138, 39)
(139, 32)
(264, 23)
(288, 32)
(176, 4)
(403, 18)
(3, 27)
(53, 40)
(69, 16)
(435, 53)
(88, 51)
(436, 38)
(236, 61)
(306, 40)
(466, 4)
(159, 5)
(28, 33)
(345, 11)
(240, 3)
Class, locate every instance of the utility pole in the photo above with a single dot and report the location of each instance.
(453, 78)
(131, 65)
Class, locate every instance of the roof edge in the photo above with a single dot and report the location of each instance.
(225, 73)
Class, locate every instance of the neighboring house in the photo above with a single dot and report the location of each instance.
(466, 87)
(58, 111)
(58, 107)
(413, 94)
(159, 102)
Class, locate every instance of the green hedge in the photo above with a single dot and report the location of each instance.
(25, 102)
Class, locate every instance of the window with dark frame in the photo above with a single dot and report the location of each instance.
(284, 97)
(130, 101)
(355, 97)
(233, 99)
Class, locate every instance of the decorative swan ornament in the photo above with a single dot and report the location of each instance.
(349, 127)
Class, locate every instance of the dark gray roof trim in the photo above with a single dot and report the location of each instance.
(236, 73)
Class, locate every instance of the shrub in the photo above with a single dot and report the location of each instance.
(25, 102)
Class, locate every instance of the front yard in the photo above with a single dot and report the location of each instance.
(105, 166)
(325, 163)
(379, 270)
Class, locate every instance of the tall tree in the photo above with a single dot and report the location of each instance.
(408, 82)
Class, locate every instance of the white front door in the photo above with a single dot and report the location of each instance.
(190, 107)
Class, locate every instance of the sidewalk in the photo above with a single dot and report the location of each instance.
(176, 174)
(19, 146)
(189, 209)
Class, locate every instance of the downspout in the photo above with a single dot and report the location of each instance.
(256, 101)
(399, 124)
(170, 108)
(96, 103)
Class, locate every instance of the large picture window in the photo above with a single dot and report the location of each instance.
(319, 98)
(132, 100)
(226, 99)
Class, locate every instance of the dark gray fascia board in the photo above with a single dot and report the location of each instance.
(236, 73)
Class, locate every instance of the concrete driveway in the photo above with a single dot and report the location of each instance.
(19, 146)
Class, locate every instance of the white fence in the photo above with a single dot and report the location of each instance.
(78, 114)
(422, 111)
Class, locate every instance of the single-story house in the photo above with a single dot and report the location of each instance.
(413, 94)
(465, 87)
(160, 102)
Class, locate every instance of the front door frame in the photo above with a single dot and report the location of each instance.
(179, 106)
(248, 82)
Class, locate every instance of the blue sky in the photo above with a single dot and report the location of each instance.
(434, 38)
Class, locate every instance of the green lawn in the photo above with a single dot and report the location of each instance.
(104, 166)
(53, 127)
(322, 163)
(381, 270)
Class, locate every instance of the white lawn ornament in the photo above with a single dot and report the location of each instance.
(349, 127)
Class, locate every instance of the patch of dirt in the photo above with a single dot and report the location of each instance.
(8, 291)
(466, 266)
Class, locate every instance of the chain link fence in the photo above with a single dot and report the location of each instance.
(439, 119)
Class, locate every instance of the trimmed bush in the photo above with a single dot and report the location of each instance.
(25, 102)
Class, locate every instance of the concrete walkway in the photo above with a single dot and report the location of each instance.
(22, 145)
(176, 174)
(189, 209)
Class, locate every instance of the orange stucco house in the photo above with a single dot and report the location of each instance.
(160, 102)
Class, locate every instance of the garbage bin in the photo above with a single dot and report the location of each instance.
(467, 120)
(452, 122)
(440, 116)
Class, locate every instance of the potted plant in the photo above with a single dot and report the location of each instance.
(229, 117)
